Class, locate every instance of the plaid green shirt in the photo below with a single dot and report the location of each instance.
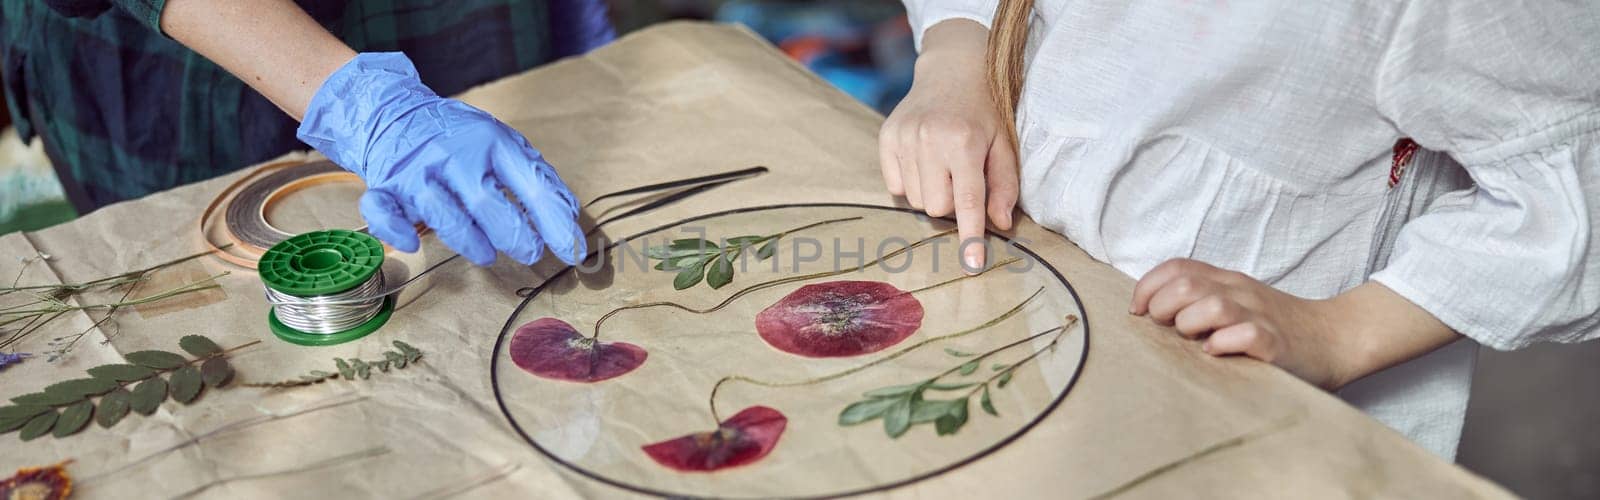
(125, 111)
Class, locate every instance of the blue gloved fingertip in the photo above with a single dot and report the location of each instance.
(480, 261)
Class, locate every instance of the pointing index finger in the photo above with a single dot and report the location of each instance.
(970, 207)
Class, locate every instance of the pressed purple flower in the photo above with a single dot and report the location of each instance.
(8, 359)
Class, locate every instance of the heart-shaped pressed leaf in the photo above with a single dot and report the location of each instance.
(742, 439)
(551, 348)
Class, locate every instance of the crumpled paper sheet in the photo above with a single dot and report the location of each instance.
(670, 102)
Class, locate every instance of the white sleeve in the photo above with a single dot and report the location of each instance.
(1513, 94)
(923, 14)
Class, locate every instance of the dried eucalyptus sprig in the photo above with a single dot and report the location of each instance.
(903, 406)
(354, 368)
(37, 414)
(697, 259)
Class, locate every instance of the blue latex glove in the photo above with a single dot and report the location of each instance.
(439, 162)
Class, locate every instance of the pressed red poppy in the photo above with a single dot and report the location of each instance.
(840, 319)
(551, 348)
(741, 439)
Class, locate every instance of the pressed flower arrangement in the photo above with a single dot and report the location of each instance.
(788, 359)
(552, 348)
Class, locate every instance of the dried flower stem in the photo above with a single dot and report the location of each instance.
(113, 281)
(712, 401)
(66, 347)
(814, 224)
(50, 301)
(776, 282)
(696, 259)
(322, 464)
(337, 401)
(459, 487)
(1060, 331)
(1234, 442)
(205, 284)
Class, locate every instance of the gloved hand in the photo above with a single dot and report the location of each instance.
(440, 162)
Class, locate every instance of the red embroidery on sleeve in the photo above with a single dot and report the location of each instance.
(1404, 149)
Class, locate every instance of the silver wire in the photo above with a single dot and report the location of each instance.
(359, 299)
(326, 314)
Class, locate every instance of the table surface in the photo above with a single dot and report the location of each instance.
(669, 102)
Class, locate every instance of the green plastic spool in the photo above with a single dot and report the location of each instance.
(323, 263)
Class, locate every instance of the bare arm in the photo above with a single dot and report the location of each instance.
(287, 56)
(270, 44)
(1385, 330)
(1329, 343)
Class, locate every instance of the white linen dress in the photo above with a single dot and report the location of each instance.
(1257, 135)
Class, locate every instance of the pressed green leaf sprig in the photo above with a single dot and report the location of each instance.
(903, 406)
(112, 391)
(696, 259)
(353, 368)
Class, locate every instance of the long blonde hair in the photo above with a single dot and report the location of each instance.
(1008, 39)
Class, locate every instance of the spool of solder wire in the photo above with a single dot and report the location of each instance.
(325, 287)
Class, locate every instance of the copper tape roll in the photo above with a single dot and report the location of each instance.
(245, 204)
(246, 201)
(245, 216)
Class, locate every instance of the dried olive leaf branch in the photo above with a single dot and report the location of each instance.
(696, 259)
(36, 414)
(712, 401)
(903, 406)
(772, 283)
(353, 368)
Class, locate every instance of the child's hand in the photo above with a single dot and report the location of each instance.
(1244, 316)
(1329, 343)
(943, 147)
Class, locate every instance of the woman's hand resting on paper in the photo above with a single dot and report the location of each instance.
(943, 147)
(1329, 343)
